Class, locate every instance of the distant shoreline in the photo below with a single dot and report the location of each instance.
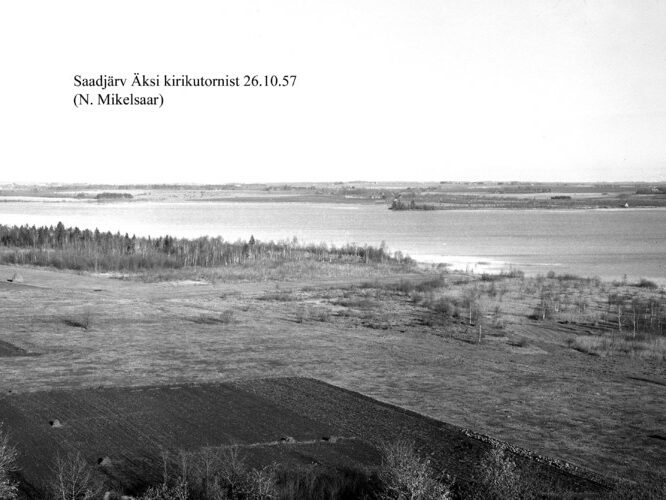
(334, 200)
(395, 196)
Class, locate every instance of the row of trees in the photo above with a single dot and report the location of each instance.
(74, 248)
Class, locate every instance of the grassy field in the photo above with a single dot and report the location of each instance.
(542, 363)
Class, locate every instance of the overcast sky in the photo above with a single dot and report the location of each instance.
(386, 90)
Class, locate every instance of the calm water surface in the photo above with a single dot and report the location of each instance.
(605, 243)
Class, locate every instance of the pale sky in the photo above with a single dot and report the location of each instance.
(386, 90)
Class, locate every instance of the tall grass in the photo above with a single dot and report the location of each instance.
(409, 286)
(223, 318)
(641, 347)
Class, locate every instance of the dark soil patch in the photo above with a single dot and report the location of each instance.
(650, 380)
(8, 350)
(128, 428)
(10, 285)
(318, 423)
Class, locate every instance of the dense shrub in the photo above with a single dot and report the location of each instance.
(8, 455)
(447, 306)
(404, 474)
(498, 476)
(645, 283)
(113, 196)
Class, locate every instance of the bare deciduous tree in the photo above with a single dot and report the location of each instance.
(74, 478)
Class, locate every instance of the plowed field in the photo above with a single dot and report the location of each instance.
(125, 430)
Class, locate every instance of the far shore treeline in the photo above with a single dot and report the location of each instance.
(73, 248)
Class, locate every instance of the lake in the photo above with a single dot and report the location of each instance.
(608, 243)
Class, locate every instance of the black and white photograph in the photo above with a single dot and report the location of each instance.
(347, 249)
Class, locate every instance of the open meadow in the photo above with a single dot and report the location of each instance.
(567, 367)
